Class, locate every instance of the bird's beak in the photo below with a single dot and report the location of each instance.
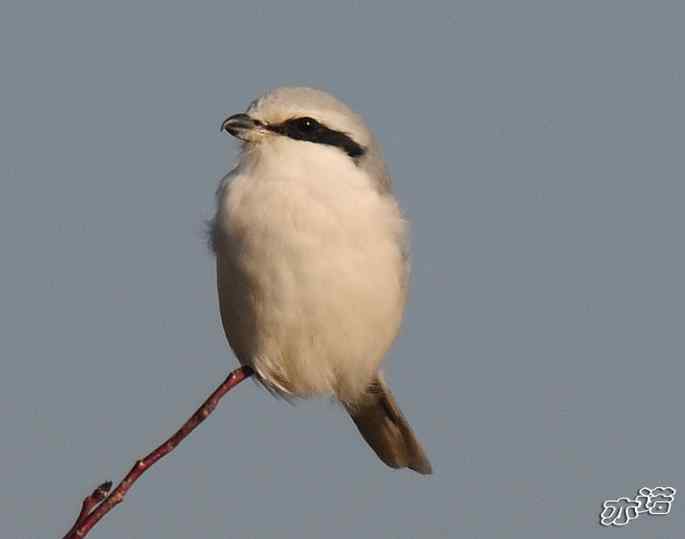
(243, 126)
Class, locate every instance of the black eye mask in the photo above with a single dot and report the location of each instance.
(309, 129)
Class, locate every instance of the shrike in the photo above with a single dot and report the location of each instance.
(312, 261)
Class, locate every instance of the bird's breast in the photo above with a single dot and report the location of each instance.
(311, 280)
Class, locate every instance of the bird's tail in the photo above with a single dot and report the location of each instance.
(385, 429)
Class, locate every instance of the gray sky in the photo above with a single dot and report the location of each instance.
(537, 148)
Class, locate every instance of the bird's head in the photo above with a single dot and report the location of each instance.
(299, 118)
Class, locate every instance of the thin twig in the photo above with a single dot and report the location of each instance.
(92, 510)
(89, 503)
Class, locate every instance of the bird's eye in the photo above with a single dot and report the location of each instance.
(306, 124)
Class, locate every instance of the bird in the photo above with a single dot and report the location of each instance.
(312, 261)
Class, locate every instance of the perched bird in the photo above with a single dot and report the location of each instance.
(312, 261)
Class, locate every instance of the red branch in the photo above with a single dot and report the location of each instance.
(94, 507)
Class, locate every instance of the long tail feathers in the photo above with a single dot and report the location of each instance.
(385, 429)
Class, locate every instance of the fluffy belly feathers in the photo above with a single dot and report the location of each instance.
(311, 283)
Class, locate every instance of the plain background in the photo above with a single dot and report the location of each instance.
(537, 147)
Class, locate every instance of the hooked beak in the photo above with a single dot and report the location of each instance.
(242, 126)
